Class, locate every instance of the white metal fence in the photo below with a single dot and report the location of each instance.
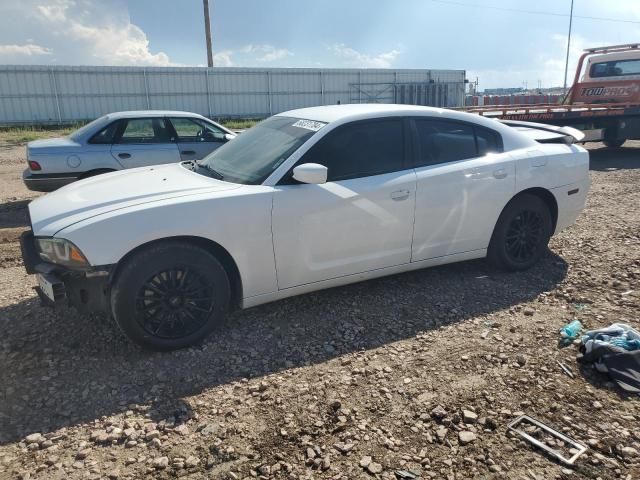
(41, 94)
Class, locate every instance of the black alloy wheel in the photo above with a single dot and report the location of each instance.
(521, 234)
(170, 295)
(174, 303)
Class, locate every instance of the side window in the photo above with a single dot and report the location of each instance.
(146, 130)
(106, 135)
(195, 130)
(360, 149)
(488, 141)
(441, 141)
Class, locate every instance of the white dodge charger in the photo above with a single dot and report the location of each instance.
(305, 200)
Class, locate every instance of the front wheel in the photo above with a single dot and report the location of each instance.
(170, 295)
(521, 235)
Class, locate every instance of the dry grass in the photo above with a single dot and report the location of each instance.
(20, 135)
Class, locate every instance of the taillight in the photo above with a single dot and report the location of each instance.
(33, 165)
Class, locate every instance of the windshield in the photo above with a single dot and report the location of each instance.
(89, 126)
(253, 155)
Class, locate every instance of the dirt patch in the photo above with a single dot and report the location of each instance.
(420, 372)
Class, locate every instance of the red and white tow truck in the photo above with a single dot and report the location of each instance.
(604, 101)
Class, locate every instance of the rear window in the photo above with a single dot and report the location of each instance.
(616, 68)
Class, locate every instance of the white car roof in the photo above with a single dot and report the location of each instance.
(362, 111)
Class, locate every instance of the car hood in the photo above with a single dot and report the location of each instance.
(38, 146)
(113, 191)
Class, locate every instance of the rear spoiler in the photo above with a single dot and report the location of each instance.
(544, 133)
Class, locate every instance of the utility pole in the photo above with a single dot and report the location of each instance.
(566, 63)
(207, 31)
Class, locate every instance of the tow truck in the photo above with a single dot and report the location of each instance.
(604, 101)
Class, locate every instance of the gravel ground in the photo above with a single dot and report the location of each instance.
(418, 372)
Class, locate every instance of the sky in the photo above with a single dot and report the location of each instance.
(504, 43)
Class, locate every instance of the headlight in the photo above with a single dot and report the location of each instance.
(60, 252)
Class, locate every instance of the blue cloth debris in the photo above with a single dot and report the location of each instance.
(614, 350)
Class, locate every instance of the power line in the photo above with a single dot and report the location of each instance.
(535, 12)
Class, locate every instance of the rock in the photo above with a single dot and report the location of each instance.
(365, 461)
(469, 417)
(82, 454)
(113, 474)
(597, 405)
(344, 448)
(629, 452)
(466, 437)
(155, 443)
(441, 433)
(439, 412)
(326, 463)
(311, 453)
(528, 311)
(34, 438)
(374, 468)
(160, 463)
(521, 359)
(191, 461)
(491, 423)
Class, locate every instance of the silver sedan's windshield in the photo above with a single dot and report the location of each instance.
(253, 155)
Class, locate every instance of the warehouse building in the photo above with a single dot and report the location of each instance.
(66, 94)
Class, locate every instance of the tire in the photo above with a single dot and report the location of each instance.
(170, 295)
(521, 235)
(613, 143)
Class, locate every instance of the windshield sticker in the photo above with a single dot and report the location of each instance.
(309, 125)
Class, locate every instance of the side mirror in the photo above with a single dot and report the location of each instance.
(312, 173)
(229, 136)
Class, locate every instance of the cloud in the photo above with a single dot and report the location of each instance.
(76, 32)
(354, 58)
(28, 50)
(223, 59)
(266, 53)
(546, 66)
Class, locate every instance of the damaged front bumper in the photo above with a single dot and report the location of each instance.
(85, 290)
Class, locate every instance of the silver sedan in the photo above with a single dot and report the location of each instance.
(121, 140)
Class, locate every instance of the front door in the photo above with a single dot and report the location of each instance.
(360, 220)
(145, 141)
(196, 139)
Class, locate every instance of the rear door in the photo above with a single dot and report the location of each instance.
(145, 141)
(195, 138)
(463, 183)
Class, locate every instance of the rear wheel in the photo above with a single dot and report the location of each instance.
(170, 295)
(613, 143)
(522, 233)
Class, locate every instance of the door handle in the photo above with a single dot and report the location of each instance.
(500, 173)
(188, 152)
(124, 155)
(400, 195)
